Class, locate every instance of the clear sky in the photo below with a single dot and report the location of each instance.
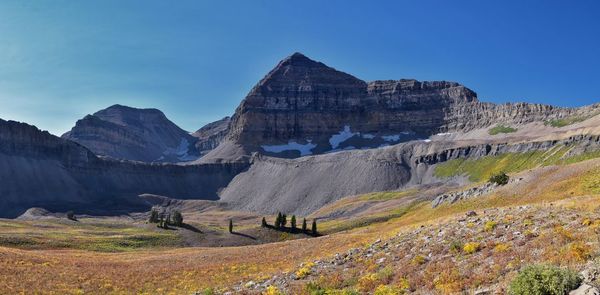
(196, 60)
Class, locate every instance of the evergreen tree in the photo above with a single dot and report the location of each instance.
(264, 223)
(314, 227)
(161, 221)
(304, 225)
(71, 215)
(177, 218)
(278, 221)
(293, 223)
(153, 216)
(283, 220)
(230, 225)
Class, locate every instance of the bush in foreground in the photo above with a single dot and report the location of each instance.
(499, 178)
(544, 280)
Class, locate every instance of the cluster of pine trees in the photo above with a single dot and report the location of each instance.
(163, 219)
(281, 222)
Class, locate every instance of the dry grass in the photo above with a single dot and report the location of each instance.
(182, 271)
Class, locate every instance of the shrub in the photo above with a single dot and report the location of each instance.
(153, 216)
(587, 222)
(499, 178)
(71, 216)
(580, 251)
(368, 282)
(418, 260)
(304, 225)
(293, 222)
(456, 246)
(501, 129)
(283, 220)
(278, 220)
(471, 247)
(544, 279)
(501, 247)
(527, 222)
(403, 284)
(304, 270)
(272, 290)
(385, 274)
(263, 223)
(387, 290)
(177, 218)
(490, 225)
(448, 281)
(314, 227)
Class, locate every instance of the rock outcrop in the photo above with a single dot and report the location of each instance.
(134, 134)
(211, 135)
(38, 169)
(304, 107)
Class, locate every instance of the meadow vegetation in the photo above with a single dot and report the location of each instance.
(501, 129)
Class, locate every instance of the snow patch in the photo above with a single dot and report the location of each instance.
(342, 136)
(368, 136)
(444, 134)
(391, 137)
(304, 149)
(181, 151)
(426, 140)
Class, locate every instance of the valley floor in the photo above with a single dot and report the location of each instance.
(552, 215)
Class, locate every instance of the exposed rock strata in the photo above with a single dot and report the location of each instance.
(38, 169)
(301, 106)
(211, 135)
(134, 134)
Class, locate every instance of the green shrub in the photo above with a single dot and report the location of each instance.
(263, 223)
(501, 129)
(293, 223)
(544, 280)
(153, 216)
(71, 216)
(177, 218)
(456, 246)
(499, 178)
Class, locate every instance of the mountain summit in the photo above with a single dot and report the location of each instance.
(135, 134)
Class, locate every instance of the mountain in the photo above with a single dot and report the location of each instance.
(211, 135)
(305, 136)
(38, 169)
(145, 135)
(303, 107)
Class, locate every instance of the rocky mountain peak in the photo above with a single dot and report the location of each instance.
(134, 134)
(298, 73)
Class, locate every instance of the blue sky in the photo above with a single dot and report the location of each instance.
(196, 60)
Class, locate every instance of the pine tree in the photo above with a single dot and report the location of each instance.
(264, 223)
(278, 221)
(283, 220)
(161, 222)
(71, 215)
(153, 216)
(293, 223)
(230, 225)
(304, 225)
(314, 227)
(177, 218)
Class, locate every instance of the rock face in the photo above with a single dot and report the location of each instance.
(304, 107)
(211, 135)
(303, 185)
(134, 134)
(41, 170)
